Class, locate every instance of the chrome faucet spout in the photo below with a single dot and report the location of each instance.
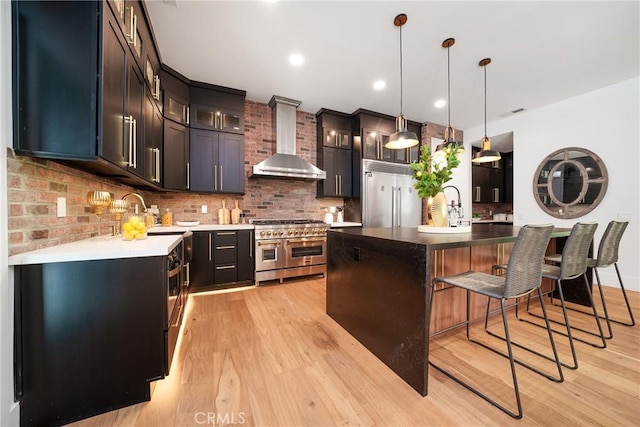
(458, 191)
(139, 197)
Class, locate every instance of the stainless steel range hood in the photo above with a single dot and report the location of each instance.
(284, 163)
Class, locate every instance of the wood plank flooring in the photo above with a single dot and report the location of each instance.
(270, 356)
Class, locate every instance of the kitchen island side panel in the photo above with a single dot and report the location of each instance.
(377, 291)
(89, 336)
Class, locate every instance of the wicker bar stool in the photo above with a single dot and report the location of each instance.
(607, 256)
(523, 276)
(573, 264)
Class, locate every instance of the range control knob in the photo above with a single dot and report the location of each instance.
(269, 233)
(290, 232)
(262, 233)
(281, 232)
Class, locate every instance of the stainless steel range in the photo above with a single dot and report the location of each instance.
(289, 248)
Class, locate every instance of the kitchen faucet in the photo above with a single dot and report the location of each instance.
(458, 209)
(139, 197)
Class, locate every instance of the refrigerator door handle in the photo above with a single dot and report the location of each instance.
(398, 206)
(394, 208)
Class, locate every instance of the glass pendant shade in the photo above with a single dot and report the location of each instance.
(402, 138)
(449, 142)
(486, 154)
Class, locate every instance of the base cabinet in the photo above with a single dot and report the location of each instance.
(221, 258)
(89, 336)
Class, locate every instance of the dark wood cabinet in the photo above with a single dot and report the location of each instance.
(246, 260)
(175, 156)
(216, 108)
(153, 139)
(221, 257)
(508, 176)
(217, 162)
(334, 129)
(90, 336)
(337, 163)
(371, 133)
(79, 89)
(175, 95)
(487, 185)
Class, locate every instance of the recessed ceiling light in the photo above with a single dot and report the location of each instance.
(296, 59)
(379, 84)
(440, 103)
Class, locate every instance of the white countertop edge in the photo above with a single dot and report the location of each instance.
(345, 224)
(200, 227)
(488, 221)
(96, 249)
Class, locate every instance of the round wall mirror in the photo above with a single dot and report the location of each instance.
(570, 182)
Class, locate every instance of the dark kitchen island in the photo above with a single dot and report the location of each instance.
(378, 287)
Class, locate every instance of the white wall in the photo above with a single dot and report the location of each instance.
(605, 121)
(9, 412)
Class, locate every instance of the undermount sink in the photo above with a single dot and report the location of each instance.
(444, 230)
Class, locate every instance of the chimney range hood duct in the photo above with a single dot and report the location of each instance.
(284, 163)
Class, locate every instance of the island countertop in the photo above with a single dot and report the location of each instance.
(96, 249)
(478, 235)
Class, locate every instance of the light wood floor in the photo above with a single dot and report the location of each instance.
(270, 356)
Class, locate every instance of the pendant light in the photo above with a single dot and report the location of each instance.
(402, 138)
(486, 154)
(449, 142)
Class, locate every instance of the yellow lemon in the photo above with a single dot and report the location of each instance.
(127, 226)
(134, 220)
(127, 235)
(141, 227)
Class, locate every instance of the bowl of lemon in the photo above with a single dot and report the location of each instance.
(134, 229)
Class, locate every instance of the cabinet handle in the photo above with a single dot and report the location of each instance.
(215, 177)
(129, 120)
(157, 174)
(188, 173)
(218, 120)
(135, 143)
(225, 267)
(268, 243)
(131, 19)
(336, 184)
(496, 195)
(340, 176)
(156, 81)
(226, 233)
(251, 244)
(209, 246)
(188, 115)
(221, 183)
(135, 28)
(476, 195)
(225, 247)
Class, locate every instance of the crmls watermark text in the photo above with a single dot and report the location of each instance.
(219, 418)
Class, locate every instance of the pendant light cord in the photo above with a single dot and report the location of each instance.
(448, 88)
(400, 69)
(485, 101)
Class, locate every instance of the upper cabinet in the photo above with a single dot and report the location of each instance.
(492, 182)
(216, 108)
(61, 112)
(175, 91)
(371, 133)
(334, 129)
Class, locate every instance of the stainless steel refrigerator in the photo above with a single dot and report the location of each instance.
(388, 196)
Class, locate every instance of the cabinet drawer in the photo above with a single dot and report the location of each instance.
(225, 273)
(225, 237)
(224, 254)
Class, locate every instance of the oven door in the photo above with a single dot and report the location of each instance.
(305, 251)
(269, 255)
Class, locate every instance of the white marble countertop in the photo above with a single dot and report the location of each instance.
(96, 249)
(345, 224)
(200, 227)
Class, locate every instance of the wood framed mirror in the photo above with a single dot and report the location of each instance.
(570, 182)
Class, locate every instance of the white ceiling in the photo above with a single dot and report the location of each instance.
(542, 52)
